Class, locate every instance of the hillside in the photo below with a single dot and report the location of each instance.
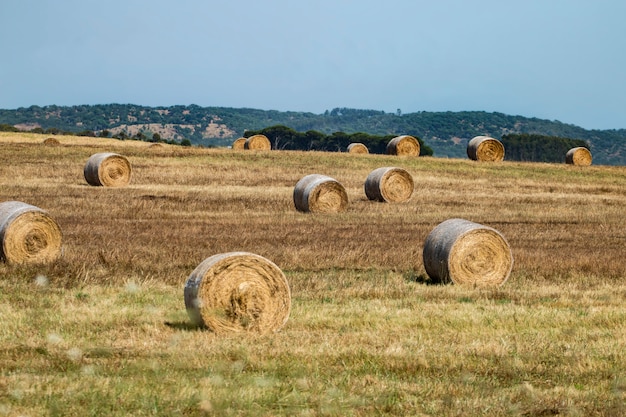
(447, 133)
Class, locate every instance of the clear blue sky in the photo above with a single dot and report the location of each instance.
(552, 59)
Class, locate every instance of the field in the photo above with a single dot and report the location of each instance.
(104, 331)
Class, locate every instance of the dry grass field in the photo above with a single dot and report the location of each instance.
(104, 331)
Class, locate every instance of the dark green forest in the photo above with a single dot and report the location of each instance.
(446, 133)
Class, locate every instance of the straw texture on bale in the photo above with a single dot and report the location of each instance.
(28, 234)
(403, 145)
(51, 142)
(238, 291)
(358, 148)
(467, 253)
(319, 194)
(107, 169)
(258, 143)
(239, 144)
(580, 156)
(484, 148)
(389, 184)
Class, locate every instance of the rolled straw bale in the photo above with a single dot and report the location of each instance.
(107, 169)
(319, 194)
(51, 142)
(389, 184)
(28, 234)
(580, 156)
(239, 144)
(464, 252)
(403, 145)
(258, 143)
(238, 291)
(357, 148)
(485, 148)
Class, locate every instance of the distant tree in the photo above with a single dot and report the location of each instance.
(538, 148)
(105, 133)
(185, 142)
(156, 137)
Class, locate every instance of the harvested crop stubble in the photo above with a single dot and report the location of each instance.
(403, 145)
(238, 291)
(239, 144)
(358, 148)
(580, 156)
(28, 234)
(258, 143)
(319, 194)
(389, 184)
(51, 142)
(467, 253)
(485, 148)
(107, 169)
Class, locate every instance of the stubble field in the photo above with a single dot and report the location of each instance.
(104, 331)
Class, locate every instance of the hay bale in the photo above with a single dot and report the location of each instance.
(580, 156)
(358, 148)
(403, 145)
(239, 144)
(389, 184)
(319, 194)
(464, 252)
(51, 142)
(107, 169)
(28, 234)
(485, 148)
(238, 291)
(258, 143)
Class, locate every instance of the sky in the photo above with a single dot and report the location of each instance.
(559, 60)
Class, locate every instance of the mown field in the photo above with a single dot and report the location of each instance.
(104, 331)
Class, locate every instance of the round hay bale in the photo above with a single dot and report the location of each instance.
(467, 253)
(403, 145)
(239, 144)
(319, 194)
(155, 145)
(484, 148)
(389, 184)
(258, 143)
(28, 234)
(358, 148)
(580, 156)
(238, 291)
(51, 142)
(107, 169)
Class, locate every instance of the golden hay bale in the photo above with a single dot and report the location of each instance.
(464, 252)
(239, 144)
(403, 145)
(155, 145)
(51, 142)
(319, 194)
(485, 148)
(107, 169)
(258, 143)
(580, 156)
(358, 148)
(238, 291)
(28, 234)
(389, 184)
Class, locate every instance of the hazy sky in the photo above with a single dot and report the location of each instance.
(552, 59)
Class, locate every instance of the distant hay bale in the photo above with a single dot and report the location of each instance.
(258, 143)
(389, 184)
(238, 291)
(51, 142)
(28, 234)
(467, 253)
(485, 148)
(107, 169)
(580, 156)
(403, 145)
(319, 194)
(155, 145)
(239, 144)
(358, 148)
